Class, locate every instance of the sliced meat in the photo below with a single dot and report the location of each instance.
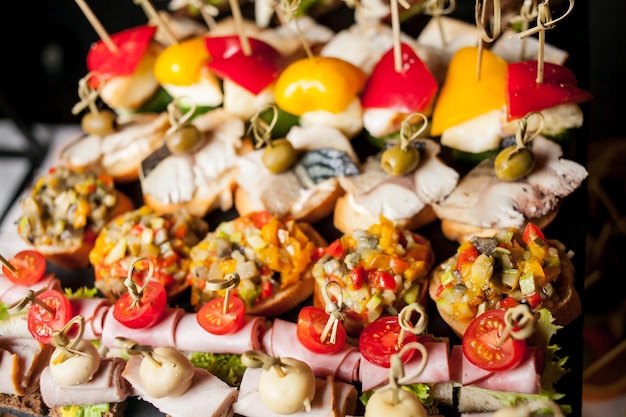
(331, 399)
(401, 197)
(525, 378)
(281, 341)
(22, 361)
(191, 337)
(94, 311)
(437, 368)
(207, 394)
(482, 200)
(161, 334)
(11, 293)
(106, 386)
(10, 370)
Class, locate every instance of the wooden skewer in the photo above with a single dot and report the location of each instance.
(102, 33)
(6, 263)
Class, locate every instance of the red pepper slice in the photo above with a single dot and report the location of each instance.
(131, 43)
(525, 95)
(532, 232)
(410, 90)
(253, 72)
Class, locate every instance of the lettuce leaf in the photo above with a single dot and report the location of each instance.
(82, 292)
(227, 367)
(512, 399)
(554, 366)
(421, 391)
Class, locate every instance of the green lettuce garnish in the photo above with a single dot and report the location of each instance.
(227, 367)
(82, 292)
(4, 311)
(512, 399)
(554, 366)
(421, 391)
(94, 410)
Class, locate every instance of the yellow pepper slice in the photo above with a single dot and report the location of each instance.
(318, 83)
(464, 95)
(181, 63)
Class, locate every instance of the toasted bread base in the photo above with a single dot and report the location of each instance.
(564, 311)
(77, 256)
(461, 232)
(347, 219)
(314, 210)
(222, 200)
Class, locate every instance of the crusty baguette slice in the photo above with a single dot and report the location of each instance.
(319, 206)
(461, 232)
(564, 311)
(77, 256)
(347, 219)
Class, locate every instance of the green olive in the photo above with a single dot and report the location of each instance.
(186, 138)
(100, 124)
(513, 163)
(397, 161)
(279, 156)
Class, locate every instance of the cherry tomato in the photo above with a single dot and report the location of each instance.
(310, 325)
(532, 232)
(30, 267)
(144, 314)
(379, 340)
(481, 339)
(211, 315)
(41, 322)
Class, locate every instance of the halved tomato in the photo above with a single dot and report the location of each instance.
(480, 343)
(41, 322)
(310, 325)
(211, 316)
(145, 313)
(30, 267)
(379, 340)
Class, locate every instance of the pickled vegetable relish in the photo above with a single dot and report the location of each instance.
(502, 271)
(166, 240)
(66, 206)
(268, 253)
(380, 270)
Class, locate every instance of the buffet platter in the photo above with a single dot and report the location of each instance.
(568, 226)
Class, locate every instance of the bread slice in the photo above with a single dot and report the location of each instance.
(76, 256)
(564, 311)
(30, 405)
(347, 218)
(460, 232)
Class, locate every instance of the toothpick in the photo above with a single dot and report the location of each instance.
(479, 13)
(544, 22)
(243, 39)
(95, 23)
(8, 264)
(395, 28)
(155, 18)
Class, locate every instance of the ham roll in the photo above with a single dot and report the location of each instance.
(332, 398)
(281, 341)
